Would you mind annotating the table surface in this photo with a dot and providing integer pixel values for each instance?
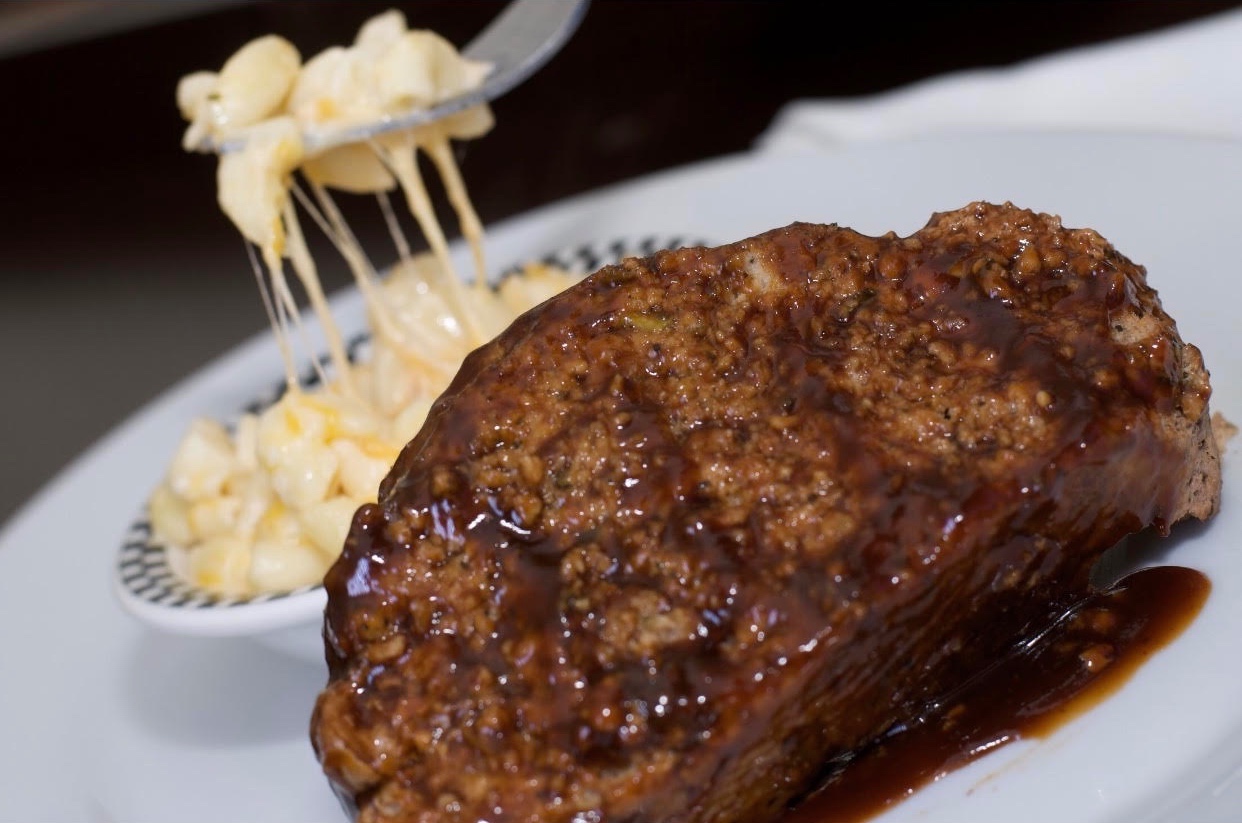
(120, 276)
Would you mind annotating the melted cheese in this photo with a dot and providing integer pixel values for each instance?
(266, 100)
(265, 507)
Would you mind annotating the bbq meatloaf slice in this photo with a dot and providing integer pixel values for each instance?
(715, 518)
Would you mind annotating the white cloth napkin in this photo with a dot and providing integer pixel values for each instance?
(1183, 80)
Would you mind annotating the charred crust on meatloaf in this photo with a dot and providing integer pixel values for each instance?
(713, 517)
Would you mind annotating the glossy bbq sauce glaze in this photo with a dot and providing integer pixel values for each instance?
(683, 533)
(1075, 664)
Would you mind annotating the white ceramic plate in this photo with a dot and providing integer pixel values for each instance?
(103, 719)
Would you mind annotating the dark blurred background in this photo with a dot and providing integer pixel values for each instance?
(119, 276)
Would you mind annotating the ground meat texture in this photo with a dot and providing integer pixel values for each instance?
(715, 518)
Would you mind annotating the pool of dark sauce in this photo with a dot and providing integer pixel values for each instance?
(1080, 660)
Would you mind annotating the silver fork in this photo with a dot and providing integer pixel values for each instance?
(517, 43)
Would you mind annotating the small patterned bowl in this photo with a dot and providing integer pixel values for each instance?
(147, 575)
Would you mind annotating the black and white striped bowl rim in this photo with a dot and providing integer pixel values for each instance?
(149, 587)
